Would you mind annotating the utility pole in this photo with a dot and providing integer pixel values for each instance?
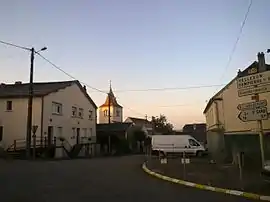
(262, 67)
(30, 101)
(109, 121)
(30, 105)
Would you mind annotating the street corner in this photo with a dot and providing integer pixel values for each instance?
(160, 174)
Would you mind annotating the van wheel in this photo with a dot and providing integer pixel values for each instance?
(199, 153)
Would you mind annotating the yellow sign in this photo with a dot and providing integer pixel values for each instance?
(253, 70)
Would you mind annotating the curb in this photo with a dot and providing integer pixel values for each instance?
(206, 187)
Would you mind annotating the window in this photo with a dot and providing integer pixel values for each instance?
(73, 133)
(117, 113)
(59, 131)
(9, 106)
(193, 143)
(57, 108)
(90, 114)
(80, 114)
(105, 112)
(84, 132)
(74, 111)
(90, 132)
(1, 132)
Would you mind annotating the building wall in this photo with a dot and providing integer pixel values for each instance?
(14, 122)
(226, 130)
(114, 118)
(227, 112)
(70, 97)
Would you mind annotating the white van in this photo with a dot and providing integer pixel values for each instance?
(177, 144)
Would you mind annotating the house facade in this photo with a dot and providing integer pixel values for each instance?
(143, 124)
(226, 133)
(197, 130)
(116, 110)
(60, 110)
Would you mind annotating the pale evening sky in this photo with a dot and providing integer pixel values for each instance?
(137, 44)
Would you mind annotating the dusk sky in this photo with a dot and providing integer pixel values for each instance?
(139, 44)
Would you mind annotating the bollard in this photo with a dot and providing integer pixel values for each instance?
(184, 165)
(34, 146)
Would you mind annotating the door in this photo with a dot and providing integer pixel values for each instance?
(50, 135)
(1, 134)
(78, 136)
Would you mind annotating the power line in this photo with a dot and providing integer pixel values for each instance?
(167, 89)
(180, 105)
(237, 39)
(15, 45)
(69, 75)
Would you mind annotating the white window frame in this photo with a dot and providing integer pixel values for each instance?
(11, 105)
(80, 113)
(117, 113)
(74, 111)
(90, 114)
(55, 106)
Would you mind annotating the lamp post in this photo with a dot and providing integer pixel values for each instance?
(30, 101)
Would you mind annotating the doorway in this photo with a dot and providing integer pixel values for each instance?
(78, 136)
(1, 133)
(50, 135)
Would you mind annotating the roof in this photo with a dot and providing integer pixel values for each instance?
(198, 126)
(139, 121)
(40, 89)
(115, 127)
(113, 101)
(255, 64)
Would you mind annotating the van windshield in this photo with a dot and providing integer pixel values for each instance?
(193, 143)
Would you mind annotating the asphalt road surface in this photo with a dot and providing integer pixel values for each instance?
(104, 179)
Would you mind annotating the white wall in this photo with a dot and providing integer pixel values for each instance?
(68, 97)
(15, 121)
(228, 113)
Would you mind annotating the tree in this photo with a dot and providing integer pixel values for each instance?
(161, 125)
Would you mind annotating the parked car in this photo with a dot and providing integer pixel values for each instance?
(166, 144)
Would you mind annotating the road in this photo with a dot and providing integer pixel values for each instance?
(104, 179)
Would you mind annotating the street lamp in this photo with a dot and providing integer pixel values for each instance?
(30, 101)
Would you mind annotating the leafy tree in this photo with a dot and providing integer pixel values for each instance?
(161, 125)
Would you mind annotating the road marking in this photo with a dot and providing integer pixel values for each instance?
(205, 187)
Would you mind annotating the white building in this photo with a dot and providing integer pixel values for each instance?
(60, 109)
(116, 110)
(143, 124)
(226, 132)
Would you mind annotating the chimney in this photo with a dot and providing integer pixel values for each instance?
(84, 87)
(261, 60)
(18, 82)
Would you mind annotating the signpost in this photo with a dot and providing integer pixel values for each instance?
(254, 79)
(252, 105)
(34, 130)
(254, 82)
(253, 114)
(254, 90)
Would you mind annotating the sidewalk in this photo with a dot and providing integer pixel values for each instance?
(201, 171)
